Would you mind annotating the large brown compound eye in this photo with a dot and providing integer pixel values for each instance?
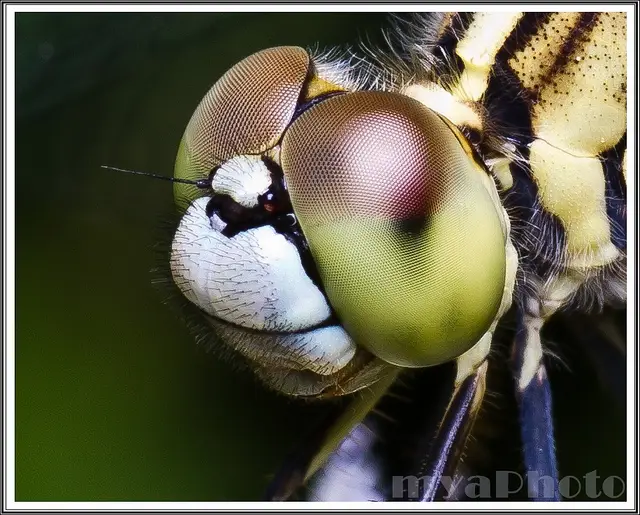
(406, 237)
(245, 112)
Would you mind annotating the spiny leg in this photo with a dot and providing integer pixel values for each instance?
(453, 432)
(453, 424)
(533, 393)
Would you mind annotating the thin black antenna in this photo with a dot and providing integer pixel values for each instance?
(204, 184)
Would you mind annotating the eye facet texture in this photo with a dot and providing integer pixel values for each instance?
(407, 240)
(245, 112)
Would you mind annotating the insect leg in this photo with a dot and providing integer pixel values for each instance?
(453, 431)
(533, 393)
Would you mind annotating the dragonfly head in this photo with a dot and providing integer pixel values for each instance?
(360, 214)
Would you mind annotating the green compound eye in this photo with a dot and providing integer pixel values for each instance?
(407, 239)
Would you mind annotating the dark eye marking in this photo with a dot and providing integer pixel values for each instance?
(413, 227)
(237, 217)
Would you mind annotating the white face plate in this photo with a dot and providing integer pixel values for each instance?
(253, 284)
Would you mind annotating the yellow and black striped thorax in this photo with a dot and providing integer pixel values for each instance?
(543, 98)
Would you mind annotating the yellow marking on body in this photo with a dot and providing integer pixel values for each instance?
(318, 86)
(624, 165)
(533, 62)
(573, 189)
(274, 154)
(502, 171)
(582, 108)
(490, 185)
(478, 49)
(442, 102)
(579, 113)
(532, 358)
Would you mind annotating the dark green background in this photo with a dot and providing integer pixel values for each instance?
(114, 399)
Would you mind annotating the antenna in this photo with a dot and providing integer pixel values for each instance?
(203, 184)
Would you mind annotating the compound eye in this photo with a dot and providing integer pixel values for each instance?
(406, 236)
(245, 112)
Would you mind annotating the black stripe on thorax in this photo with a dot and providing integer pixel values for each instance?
(527, 28)
(574, 42)
(507, 107)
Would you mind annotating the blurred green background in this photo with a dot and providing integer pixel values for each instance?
(114, 400)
